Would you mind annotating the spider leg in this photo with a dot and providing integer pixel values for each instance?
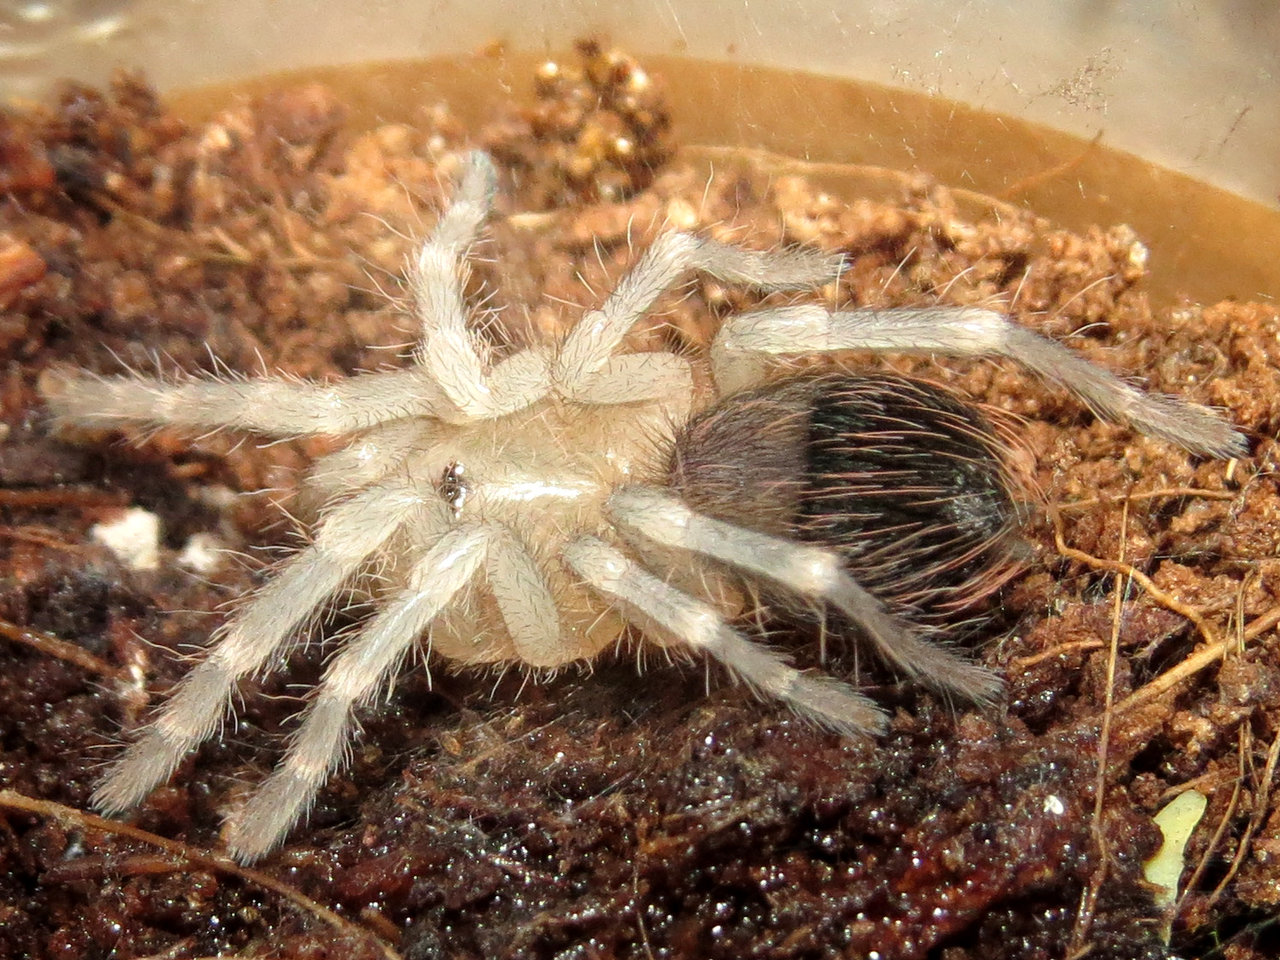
(342, 544)
(271, 406)
(635, 377)
(824, 700)
(591, 343)
(527, 607)
(355, 675)
(743, 343)
(808, 571)
(449, 352)
(437, 276)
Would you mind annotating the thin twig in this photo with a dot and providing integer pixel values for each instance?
(80, 820)
(1217, 651)
(1197, 492)
(1162, 597)
(1109, 695)
(1080, 934)
(60, 649)
(62, 497)
(1260, 801)
(1057, 171)
(42, 537)
(639, 908)
(1216, 647)
(1061, 649)
(1211, 849)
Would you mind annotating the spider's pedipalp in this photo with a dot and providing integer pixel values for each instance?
(597, 335)
(822, 700)
(346, 538)
(811, 572)
(743, 342)
(276, 407)
(369, 459)
(354, 676)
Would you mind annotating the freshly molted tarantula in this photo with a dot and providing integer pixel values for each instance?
(524, 508)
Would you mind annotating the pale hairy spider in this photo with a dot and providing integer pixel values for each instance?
(524, 508)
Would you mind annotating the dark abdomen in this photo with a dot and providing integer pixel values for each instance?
(902, 477)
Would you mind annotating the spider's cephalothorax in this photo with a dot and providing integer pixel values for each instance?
(523, 508)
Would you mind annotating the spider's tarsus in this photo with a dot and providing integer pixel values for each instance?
(289, 793)
(260, 825)
(472, 200)
(145, 764)
(898, 643)
(824, 701)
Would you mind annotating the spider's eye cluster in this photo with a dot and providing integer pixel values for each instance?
(454, 487)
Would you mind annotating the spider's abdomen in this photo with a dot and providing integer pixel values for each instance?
(904, 479)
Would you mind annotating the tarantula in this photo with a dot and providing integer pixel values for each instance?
(525, 508)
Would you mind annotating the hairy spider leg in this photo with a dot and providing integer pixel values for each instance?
(448, 383)
(448, 350)
(455, 360)
(823, 700)
(345, 539)
(364, 666)
(588, 349)
(962, 331)
(812, 572)
(636, 378)
(278, 407)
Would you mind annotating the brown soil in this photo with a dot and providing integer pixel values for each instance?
(617, 814)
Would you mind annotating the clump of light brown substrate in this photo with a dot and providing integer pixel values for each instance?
(605, 816)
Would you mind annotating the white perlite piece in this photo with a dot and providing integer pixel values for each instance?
(134, 537)
(202, 553)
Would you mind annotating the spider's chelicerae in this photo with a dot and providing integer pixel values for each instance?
(524, 508)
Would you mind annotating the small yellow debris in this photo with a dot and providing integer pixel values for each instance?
(1176, 820)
